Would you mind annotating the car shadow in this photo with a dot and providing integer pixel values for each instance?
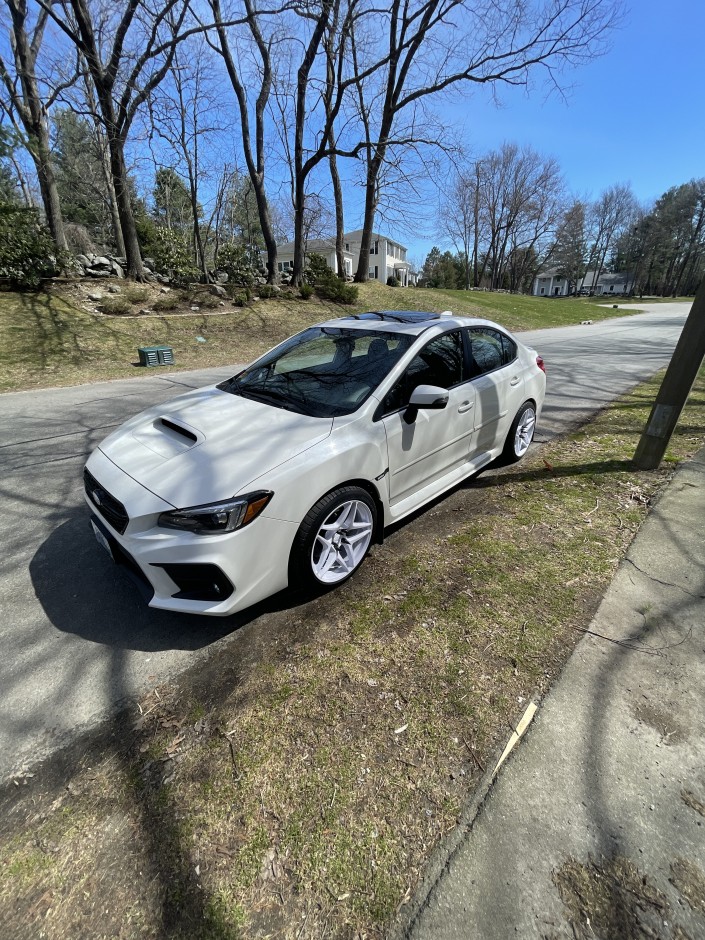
(83, 592)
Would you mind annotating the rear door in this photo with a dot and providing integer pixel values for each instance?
(498, 381)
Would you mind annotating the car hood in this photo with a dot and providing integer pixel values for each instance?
(208, 445)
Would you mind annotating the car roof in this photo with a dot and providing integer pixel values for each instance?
(410, 322)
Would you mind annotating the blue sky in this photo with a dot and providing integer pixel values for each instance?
(634, 115)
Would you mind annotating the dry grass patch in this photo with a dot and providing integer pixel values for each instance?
(611, 898)
(302, 799)
(61, 337)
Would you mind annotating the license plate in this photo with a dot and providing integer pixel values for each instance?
(101, 539)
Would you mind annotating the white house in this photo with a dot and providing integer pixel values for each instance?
(549, 283)
(387, 257)
(318, 246)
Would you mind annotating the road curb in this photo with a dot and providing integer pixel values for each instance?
(442, 857)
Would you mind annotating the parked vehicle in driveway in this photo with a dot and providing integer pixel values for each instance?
(286, 473)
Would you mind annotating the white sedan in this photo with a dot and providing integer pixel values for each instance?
(286, 473)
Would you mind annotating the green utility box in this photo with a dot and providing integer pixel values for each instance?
(156, 355)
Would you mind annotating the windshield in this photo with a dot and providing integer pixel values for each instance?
(324, 371)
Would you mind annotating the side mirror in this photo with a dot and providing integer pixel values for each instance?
(425, 396)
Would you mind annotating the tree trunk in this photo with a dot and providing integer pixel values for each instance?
(299, 248)
(31, 111)
(371, 198)
(265, 221)
(50, 194)
(255, 169)
(476, 234)
(115, 218)
(133, 255)
(112, 198)
(339, 216)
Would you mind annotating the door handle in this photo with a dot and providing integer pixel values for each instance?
(515, 380)
(465, 406)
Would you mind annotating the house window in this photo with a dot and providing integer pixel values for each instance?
(376, 273)
(374, 249)
(543, 290)
(347, 246)
(280, 266)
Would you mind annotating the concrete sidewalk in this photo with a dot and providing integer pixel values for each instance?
(595, 827)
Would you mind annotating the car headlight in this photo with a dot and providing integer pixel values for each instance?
(213, 518)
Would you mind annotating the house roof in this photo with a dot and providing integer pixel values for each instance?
(606, 278)
(313, 245)
(548, 272)
(357, 235)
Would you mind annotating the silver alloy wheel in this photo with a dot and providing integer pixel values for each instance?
(342, 541)
(524, 434)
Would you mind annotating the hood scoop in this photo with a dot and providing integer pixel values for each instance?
(167, 437)
(178, 429)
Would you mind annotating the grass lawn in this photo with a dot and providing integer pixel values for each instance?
(296, 786)
(59, 338)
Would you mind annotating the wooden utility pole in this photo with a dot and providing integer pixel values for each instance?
(675, 388)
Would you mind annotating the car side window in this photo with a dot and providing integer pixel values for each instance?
(441, 362)
(489, 350)
(510, 349)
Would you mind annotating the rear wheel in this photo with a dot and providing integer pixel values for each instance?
(521, 433)
(334, 538)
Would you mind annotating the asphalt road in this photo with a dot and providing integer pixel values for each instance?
(76, 638)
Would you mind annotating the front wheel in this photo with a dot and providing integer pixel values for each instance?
(521, 433)
(333, 538)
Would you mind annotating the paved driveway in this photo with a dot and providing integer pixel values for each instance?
(75, 636)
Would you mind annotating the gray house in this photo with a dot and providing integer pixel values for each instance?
(549, 283)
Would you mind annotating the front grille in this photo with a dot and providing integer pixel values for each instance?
(111, 509)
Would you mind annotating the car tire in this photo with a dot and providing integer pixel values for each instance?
(521, 434)
(333, 539)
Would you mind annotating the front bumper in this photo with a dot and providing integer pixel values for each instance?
(180, 571)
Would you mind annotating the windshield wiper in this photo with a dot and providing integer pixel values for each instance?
(272, 396)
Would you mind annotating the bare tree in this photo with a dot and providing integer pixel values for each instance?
(512, 199)
(332, 55)
(610, 215)
(27, 104)
(128, 51)
(569, 252)
(434, 45)
(184, 114)
(459, 217)
(92, 106)
(253, 141)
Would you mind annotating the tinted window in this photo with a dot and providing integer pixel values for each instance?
(510, 349)
(439, 363)
(489, 350)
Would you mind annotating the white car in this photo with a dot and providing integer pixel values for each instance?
(286, 473)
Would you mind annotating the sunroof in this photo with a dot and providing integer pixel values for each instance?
(397, 316)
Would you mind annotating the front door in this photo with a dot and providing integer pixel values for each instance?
(436, 441)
